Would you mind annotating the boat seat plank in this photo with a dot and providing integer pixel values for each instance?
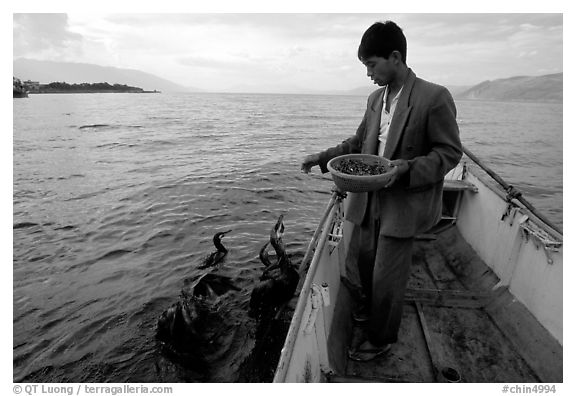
(448, 298)
(435, 353)
(429, 270)
(459, 185)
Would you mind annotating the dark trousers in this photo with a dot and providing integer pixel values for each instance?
(383, 267)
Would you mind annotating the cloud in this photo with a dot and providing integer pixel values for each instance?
(44, 35)
(277, 24)
(223, 62)
(311, 50)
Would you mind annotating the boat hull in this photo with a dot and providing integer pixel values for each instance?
(522, 262)
(489, 275)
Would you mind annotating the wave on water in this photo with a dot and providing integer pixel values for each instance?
(109, 126)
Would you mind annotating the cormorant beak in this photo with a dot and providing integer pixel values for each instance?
(225, 232)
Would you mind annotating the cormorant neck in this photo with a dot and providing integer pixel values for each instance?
(281, 255)
(264, 256)
(219, 246)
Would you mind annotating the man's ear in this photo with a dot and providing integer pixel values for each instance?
(396, 56)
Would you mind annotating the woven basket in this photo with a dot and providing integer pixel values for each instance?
(356, 183)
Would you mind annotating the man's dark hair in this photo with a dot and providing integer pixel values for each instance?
(381, 39)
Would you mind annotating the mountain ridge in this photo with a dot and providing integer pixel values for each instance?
(545, 88)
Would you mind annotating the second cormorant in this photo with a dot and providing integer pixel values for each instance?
(216, 257)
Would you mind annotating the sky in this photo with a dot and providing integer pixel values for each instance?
(268, 52)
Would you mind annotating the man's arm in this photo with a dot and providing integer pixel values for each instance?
(351, 145)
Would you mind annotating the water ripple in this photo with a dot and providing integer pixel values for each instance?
(116, 204)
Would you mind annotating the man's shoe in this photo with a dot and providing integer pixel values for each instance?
(368, 354)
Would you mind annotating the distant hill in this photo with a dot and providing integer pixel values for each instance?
(547, 88)
(456, 90)
(46, 72)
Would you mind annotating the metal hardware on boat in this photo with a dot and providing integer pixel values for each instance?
(509, 213)
(325, 294)
(340, 195)
(335, 235)
(532, 232)
(512, 193)
(319, 296)
(524, 232)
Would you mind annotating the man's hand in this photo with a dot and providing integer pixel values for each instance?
(310, 161)
(399, 167)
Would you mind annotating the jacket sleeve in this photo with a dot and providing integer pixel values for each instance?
(444, 139)
(351, 145)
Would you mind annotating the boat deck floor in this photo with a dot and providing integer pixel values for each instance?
(457, 327)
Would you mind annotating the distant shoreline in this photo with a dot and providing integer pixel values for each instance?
(34, 87)
(88, 91)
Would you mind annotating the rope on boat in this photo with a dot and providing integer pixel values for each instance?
(540, 238)
(512, 192)
(336, 196)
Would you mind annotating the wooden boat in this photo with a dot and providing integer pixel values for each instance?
(484, 301)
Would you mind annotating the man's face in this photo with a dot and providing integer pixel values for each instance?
(380, 70)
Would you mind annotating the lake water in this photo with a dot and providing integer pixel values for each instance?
(116, 198)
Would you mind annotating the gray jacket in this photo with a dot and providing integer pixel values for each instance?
(424, 132)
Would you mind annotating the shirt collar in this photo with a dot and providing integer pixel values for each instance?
(395, 99)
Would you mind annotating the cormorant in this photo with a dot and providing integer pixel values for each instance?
(278, 281)
(187, 328)
(217, 256)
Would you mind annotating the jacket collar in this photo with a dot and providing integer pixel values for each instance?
(404, 95)
(398, 121)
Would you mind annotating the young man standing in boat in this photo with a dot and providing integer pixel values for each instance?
(413, 123)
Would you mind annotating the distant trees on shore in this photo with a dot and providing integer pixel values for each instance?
(87, 87)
